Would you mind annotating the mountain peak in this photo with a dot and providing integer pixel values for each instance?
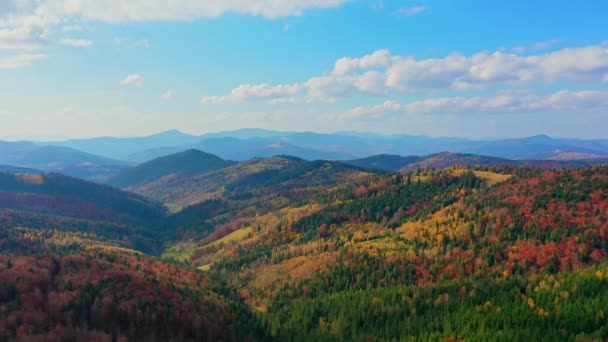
(171, 133)
(191, 161)
(540, 137)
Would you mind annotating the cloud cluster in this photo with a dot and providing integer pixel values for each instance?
(111, 11)
(506, 102)
(382, 73)
(27, 24)
(248, 93)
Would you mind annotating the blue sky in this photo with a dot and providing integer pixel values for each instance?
(478, 69)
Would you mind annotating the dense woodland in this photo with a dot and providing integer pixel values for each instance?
(285, 249)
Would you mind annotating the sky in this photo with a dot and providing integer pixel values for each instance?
(475, 69)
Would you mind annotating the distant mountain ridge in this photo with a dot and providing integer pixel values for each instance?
(244, 144)
(98, 159)
(63, 160)
(447, 159)
(122, 148)
(183, 163)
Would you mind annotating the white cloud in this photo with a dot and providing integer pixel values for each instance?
(19, 61)
(168, 95)
(248, 93)
(133, 80)
(378, 59)
(21, 38)
(382, 73)
(27, 24)
(143, 43)
(506, 102)
(72, 28)
(411, 10)
(76, 42)
(112, 11)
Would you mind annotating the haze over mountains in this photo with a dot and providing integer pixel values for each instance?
(101, 158)
(248, 143)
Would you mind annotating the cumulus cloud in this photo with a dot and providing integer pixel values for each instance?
(19, 61)
(27, 24)
(382, 73)
(76, 42)
(133, 80)
(111, 11)
(506, 102)
(22, 38)
(248, 93)
(168, 95)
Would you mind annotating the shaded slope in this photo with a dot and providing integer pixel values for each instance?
(385, 162)
(66, 196)
(447, 159)
(184, 163)
(287, 177)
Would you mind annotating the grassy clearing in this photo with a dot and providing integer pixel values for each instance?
(181, 251)
(235, 236)
(492, 177)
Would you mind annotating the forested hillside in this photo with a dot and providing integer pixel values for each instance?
(105, 296)
(447, 159)
(60, 203)
(284, 178)
(286, 249)
(58, 194)
(423, 249)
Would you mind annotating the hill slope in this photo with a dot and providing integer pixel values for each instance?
(419, 250)
(105, 296)
(254, 179)
(185, 163)
(384, 162)
(319, 250)
(447, 159)
(58, 194)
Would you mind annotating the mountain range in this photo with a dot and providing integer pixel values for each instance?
(100, 159)
(248, 143)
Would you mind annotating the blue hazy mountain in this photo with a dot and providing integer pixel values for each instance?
(244, 144)
(122, 148)
(58, 159)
